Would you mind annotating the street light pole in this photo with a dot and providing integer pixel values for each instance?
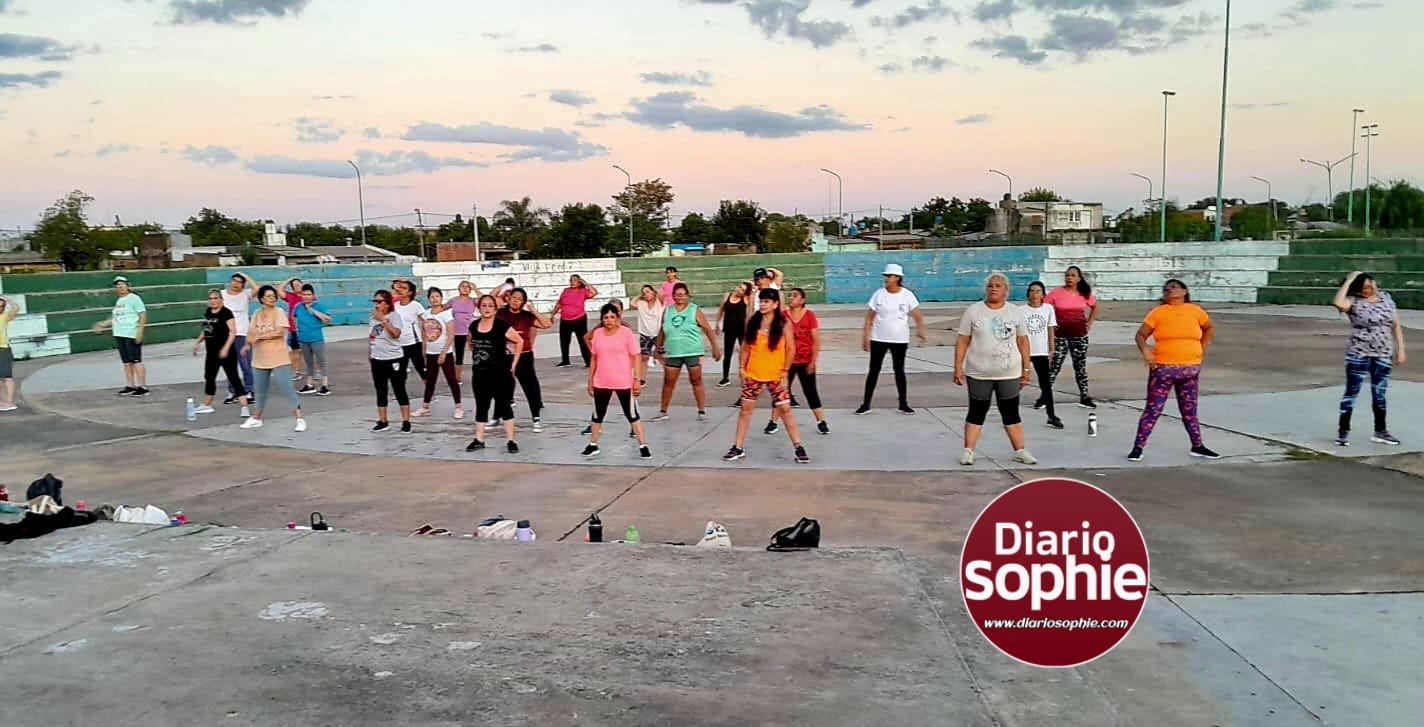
(361, 200)
(1147, 179)
(1270, 200)
(1329, 168)
(1005, 176)
(1221, 139)
(1371, 131)
(1350, 206)
(629, 191)
(840, 201)
(1165, 95)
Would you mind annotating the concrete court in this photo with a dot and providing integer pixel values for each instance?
(1288, 580)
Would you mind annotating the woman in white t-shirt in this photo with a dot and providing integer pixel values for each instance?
(991, 355)
(1042, 323)
(410, 311)
(887, 330)
(650, 322)
(437, 332)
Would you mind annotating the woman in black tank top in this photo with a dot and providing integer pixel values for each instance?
(732, 320)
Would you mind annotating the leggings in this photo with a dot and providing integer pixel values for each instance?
(314, 355)
(1356, 369)
(1005, 391)
(229, 368)
(433, 367)
(730, 340)
(1042, 367)
(528, 381)
(601, 397)
(1160, 382)
(262, 382)
(414, 354)
(244, 363)
(574, 328)
(1077, 347)
(808, 384)
(390, 374)
(493, 386)
(461, 343)
(897, 359)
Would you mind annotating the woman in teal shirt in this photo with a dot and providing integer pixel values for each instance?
(680, 344)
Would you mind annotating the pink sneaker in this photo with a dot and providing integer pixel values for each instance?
(459, 413)
(423, 411)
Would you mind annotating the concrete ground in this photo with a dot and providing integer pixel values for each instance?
(1288, 577)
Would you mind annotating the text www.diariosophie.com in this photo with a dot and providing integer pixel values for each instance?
(1055, 623)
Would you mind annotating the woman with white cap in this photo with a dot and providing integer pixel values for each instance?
(887, 330)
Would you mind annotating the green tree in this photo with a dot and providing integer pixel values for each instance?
(648, 201)
(742, 221)
(311, 233)
(696, 229)
(212, 228)
(1039, 194)
(1316, 212)
(787, 235)
(1254, 223)
(976, 215)
(399, 240)
(521, 224)
(1400, 206)
(578, 231)
(63, 233)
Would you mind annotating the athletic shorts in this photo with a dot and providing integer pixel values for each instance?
(130, 351)
(646, 344)
(7, 363)
(752, 389)
(677, 362)
(292, 342)
(1000, 389)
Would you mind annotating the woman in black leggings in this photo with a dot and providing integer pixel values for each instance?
(807, 330)
(388, 366)
(523, 318)
(734, 311)
(492, 372)
(437, 333)
(887, 330)
(219, 333)
(573, 319)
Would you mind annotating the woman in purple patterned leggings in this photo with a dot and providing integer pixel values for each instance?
(1182, 331)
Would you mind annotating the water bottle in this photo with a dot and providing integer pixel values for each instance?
(523, 533)
(631, 535)
(595, 529)
(1092, 424)
(192, 410)
(180, 518)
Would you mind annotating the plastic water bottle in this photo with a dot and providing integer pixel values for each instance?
(595, 529)
(522, 532)
(631, 535)
(1092, 424)
(180, 518)
(192, 410)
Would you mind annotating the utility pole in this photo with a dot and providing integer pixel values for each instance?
(628, 191)
(420, 232)
(361, 200)
(840, 202)
(1165, 95)
(1371, 131)
(1221, 140)
(1271, 200)
(475, 223)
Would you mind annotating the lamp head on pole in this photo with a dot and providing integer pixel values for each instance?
(1169, 93)
(1358, 111)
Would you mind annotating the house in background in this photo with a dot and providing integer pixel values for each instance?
(1059, 221)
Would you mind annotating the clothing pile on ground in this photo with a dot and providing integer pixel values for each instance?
(45, 513)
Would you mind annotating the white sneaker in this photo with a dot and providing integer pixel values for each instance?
(12, 407)
(423, 411)
(1023, 456)
(204, 409)
(301, 426)
(538, 426)
(251, 423)
(967, 458)
(246, 413)
(459, 413)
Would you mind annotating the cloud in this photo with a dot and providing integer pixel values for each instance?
(496, 36)
(679, 108)
(232, 12)
(972, 119)
(541, 48)
(1015, 47)
(697, 78)
(929, 12)
(889, 68)
(209, 155)
(1081, 35)
(62, 154)
(316, 131)
(373, 164)
(108, 149)
(991, 10)
(13, 45)
(783, 17)
(343, 97)
(1266, 105)
(932, 64)
(547, 144)
(860, 3)
(570, 98)
(371, 132)
(36, 80)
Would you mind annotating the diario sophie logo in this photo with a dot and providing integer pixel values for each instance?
(1054, 572)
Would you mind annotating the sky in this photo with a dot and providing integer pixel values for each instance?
(158, 108)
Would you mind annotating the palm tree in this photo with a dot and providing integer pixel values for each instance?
(521, 222)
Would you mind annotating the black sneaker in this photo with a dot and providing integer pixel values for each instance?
(405, 427)
(801, 456)
(905, 409)
(1384, 438)
(644, 452)
(474, 445)
(127, 390)
(308, 389)
(591, 450)
(823, 427)
(1203, 452)
(724, 383)
(1039, 404)
(795, 404)
(140, 391)
(1087, 403)
(323, 391)
(1135, 455)
(864, 409)
(562, 365)
(735, 453)
(233, 399)
(632, 434)
(771, 427)
(512, 446)
(381, 426)
(587, 430)
(737, 404)
(1343, 440)
(1056, 423)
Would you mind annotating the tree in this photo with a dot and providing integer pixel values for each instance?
(1254, 223)
(1397, 207)
(976, 214)
(1039, 194)
(648, 202)
(211, 228)
(1315, 212)
(788, 235)
(695, 229)
(1180, 227)
(578, 231)
(521, 224)
(63, 233)
(311, 233)
(741, 221)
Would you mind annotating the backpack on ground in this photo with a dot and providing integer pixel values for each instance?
(804, 535)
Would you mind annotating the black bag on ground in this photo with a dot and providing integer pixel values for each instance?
(47, 485)
(804, 535)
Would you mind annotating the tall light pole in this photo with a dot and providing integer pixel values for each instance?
(361, 200)
(1147, 179)
(1350, 205)
(1371, 131)
(1221, 140)
(1005, 176)
(629, 191)
(840, 201)
(1165, 95)
(1329, 168)
(1270, 200)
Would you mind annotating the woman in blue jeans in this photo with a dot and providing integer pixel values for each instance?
(1376, 340)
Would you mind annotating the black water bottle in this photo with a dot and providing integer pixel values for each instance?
(595, 529)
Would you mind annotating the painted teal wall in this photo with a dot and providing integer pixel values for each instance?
(934, 275)
(344, 290)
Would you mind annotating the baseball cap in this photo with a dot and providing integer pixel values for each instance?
(119, 279)
(761, 273)
(894, 269)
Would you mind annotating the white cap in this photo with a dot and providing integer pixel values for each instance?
(894, 269)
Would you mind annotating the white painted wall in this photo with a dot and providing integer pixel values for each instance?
(1215, 272)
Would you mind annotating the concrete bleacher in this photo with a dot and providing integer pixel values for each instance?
(543, 280)
(1314, 270)
(709, 277)
(1216, 272)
